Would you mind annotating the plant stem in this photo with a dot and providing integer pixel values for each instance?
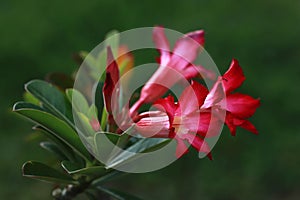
(71, 191)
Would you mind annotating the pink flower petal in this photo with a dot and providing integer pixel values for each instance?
(186, 49)
(232, 122)
(198, 36)
(241, 105)
(162, 45)
(249, 127)
(167, 105)
(234, 77)
(190, 72)
(160, 82)
(216, 96)
(198, 143)
(181, 147)
(192, 98)
(203, 123)
(197, 122)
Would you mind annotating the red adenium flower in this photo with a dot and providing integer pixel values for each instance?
(195, 115)
(191, 119)
(173, 66)
(180, 121)
(111, 84)
(238, 106)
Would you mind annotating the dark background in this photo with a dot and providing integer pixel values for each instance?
(37, 37)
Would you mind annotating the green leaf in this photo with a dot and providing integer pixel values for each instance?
(147, 144)
(113, 137)
(78, 101)
(43, 172)
(54, 125)
(63, 147)
(124, 137)
(107, 151)
(26, 105)
(53, 148)
(121, 141)
(118, 194)
(142, 146)
(92, 112)
(31, 99)
(70, 166)
(73, 169)
(102, 146)
(86, 126)
(51, 98)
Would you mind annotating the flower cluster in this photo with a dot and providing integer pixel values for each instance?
(197, 114)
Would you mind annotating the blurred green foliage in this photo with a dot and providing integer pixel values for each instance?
(38, 37)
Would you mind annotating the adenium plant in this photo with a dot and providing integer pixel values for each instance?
(189, 119)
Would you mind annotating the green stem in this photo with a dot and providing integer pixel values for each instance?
(71, 191)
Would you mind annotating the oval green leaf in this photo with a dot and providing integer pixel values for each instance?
(43, 172)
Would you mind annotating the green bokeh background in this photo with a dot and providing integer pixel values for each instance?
(38, 37)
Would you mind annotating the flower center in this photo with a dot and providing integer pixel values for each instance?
(178, 126)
